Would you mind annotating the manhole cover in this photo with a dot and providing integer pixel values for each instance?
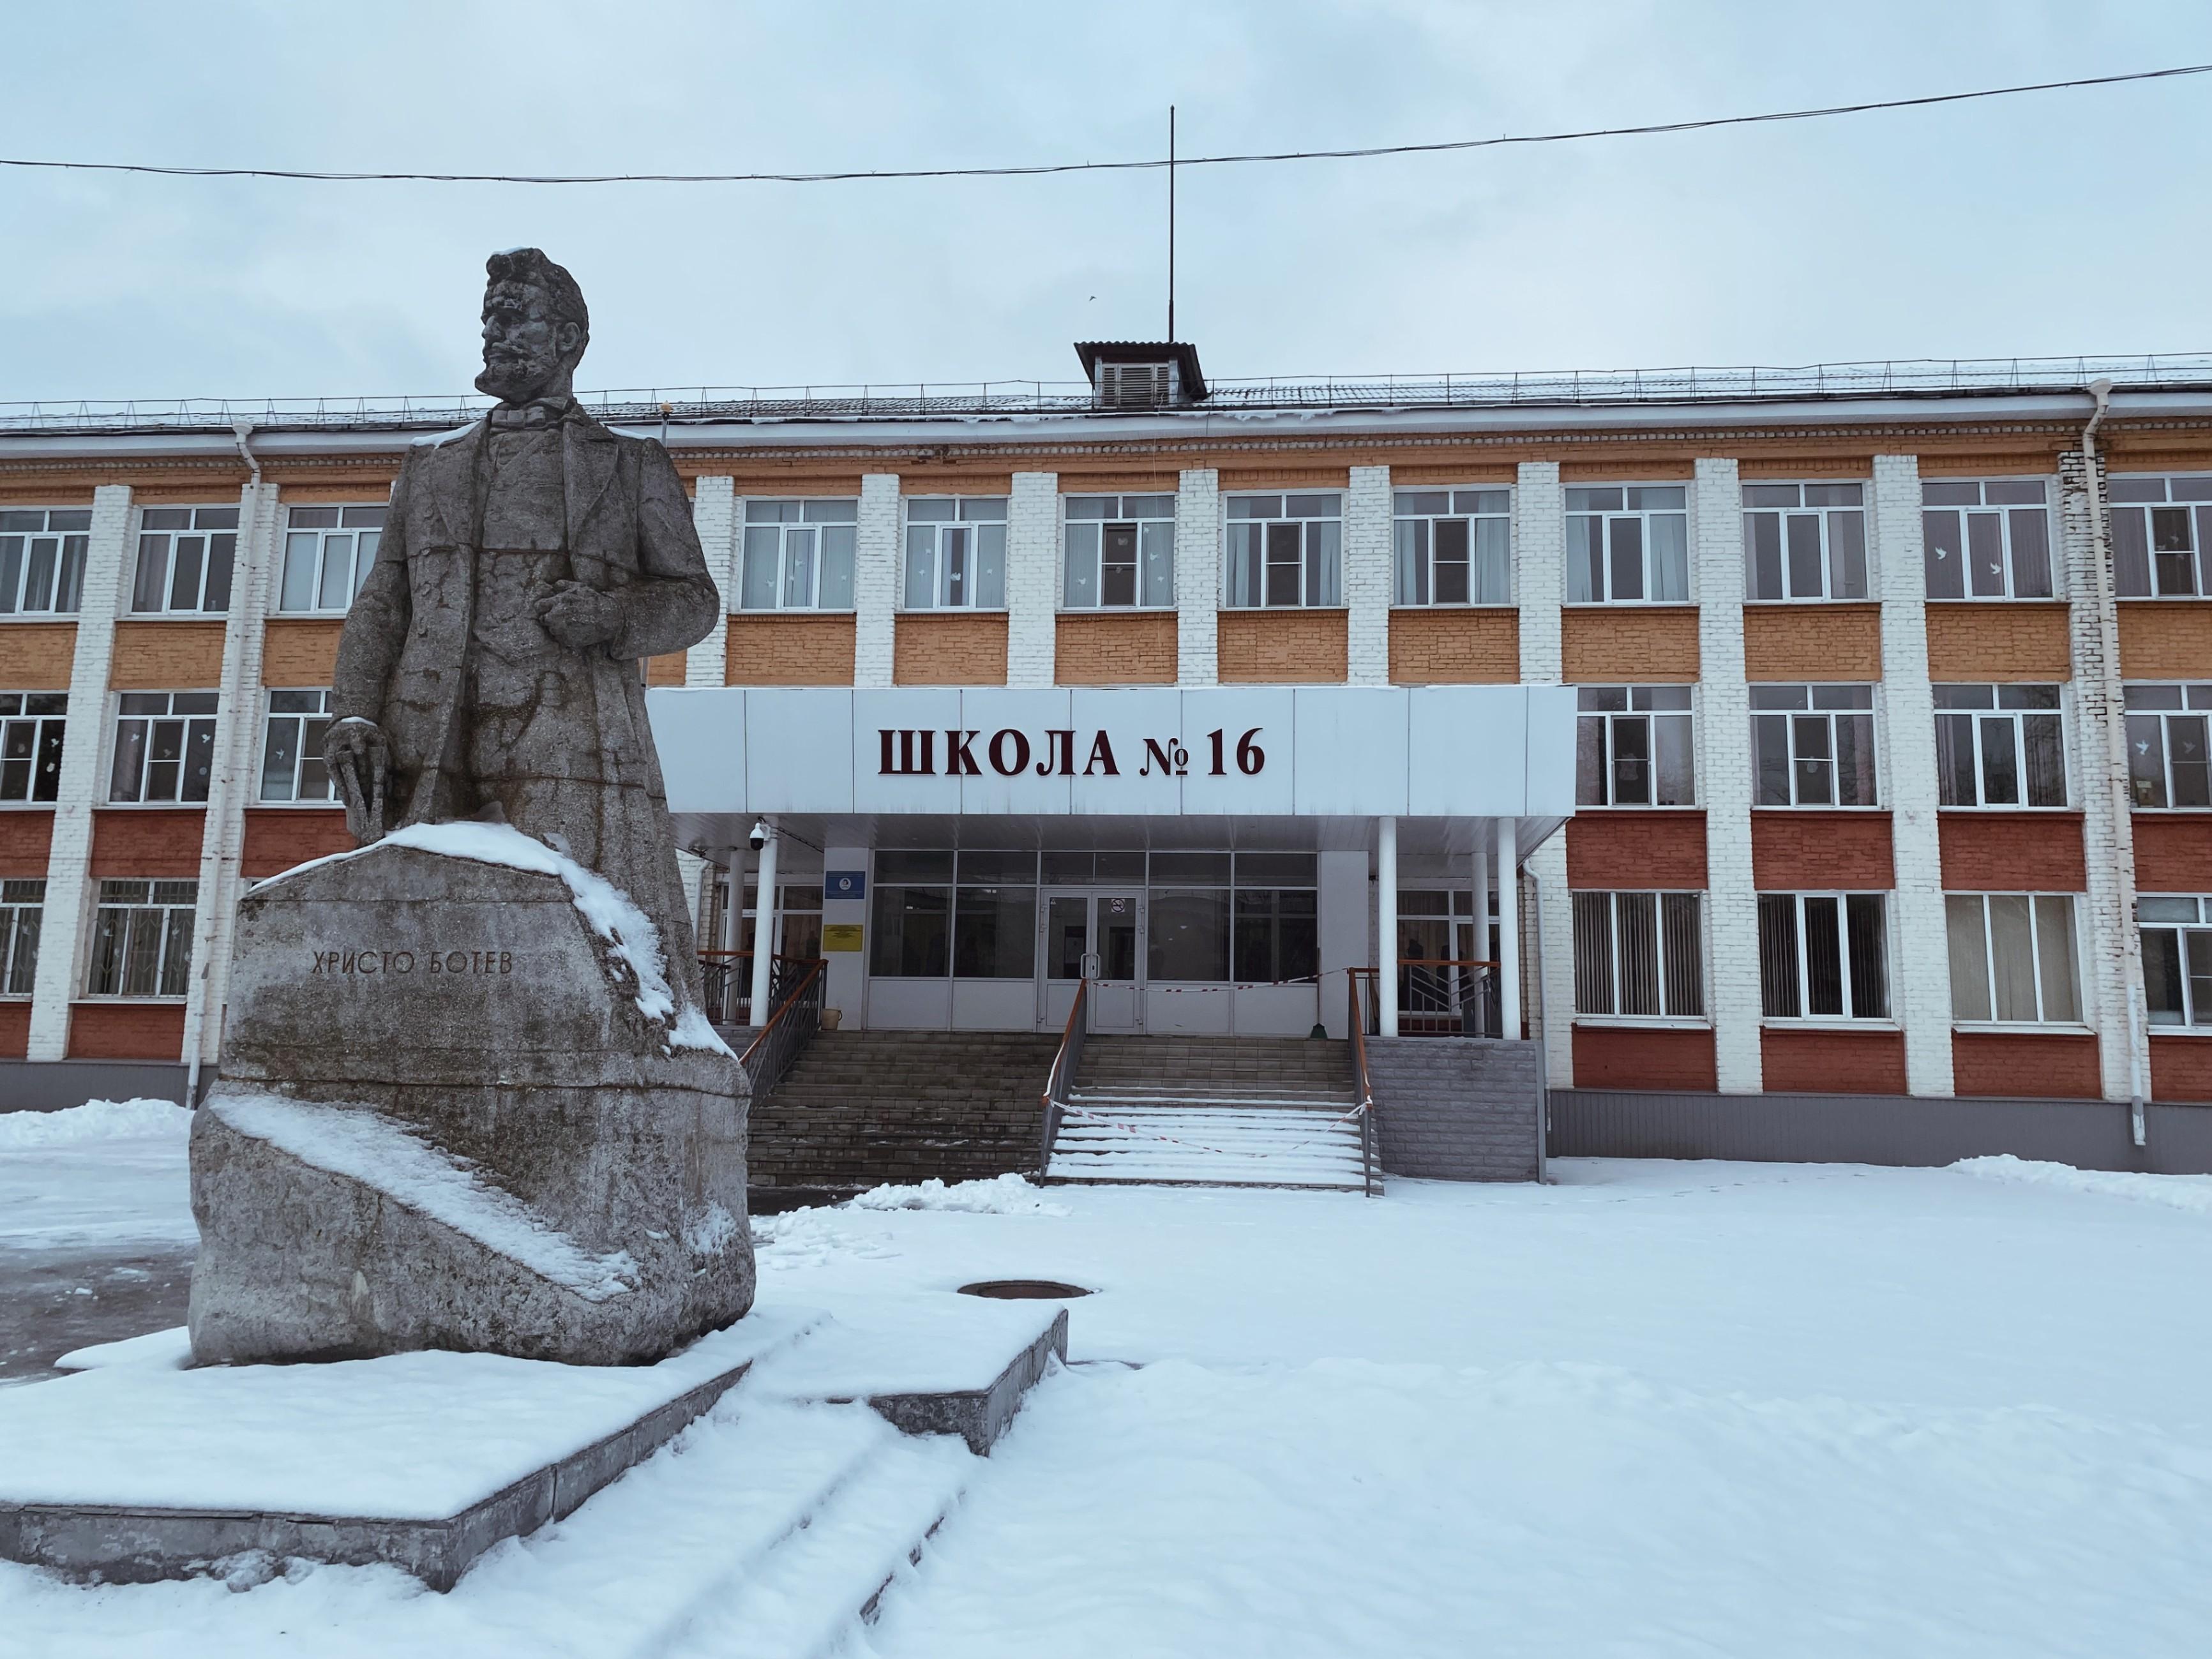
(1024, 1290)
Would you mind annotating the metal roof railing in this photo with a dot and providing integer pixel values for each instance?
(990, 399)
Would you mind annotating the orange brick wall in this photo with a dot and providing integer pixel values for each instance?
(664, 670)
(1633, 849)
(950, 649)
(300, 653)
(2165, 639)
(793, 648)
(1797, 851)
(36, 656)
(2180, 1067)
(1833, 1062)
(26, 837)
(1280, 646)
(147, 841)
(2033, 1066)
(1791, 642)
(1625, 1057)
(1630, 644)
(1115, 647)
(2012, 852)
(2174, 852)
(14, 1027)
(126, 1030)
(1973, 640)
(278, 837)
(166, 656)
(1446, 645)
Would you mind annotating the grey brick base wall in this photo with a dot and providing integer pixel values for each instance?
(49, 1085)
(1458, 1109)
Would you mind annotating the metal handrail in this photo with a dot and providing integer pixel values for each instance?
(1062, 1079)
(1433, 982)
(728, 992)
(768, 1058)
(1362, 1084)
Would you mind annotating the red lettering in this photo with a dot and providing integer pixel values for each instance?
(1101, 754)
(959, 763)
(1061, 744)
(999, 763)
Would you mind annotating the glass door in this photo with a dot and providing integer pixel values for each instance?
(1099, 936)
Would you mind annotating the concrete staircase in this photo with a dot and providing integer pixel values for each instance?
(1214, 1111)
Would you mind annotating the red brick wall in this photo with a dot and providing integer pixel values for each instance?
(2180, 1067)
(26, 835)
(15, 1029)
(278, 837)
(1623, 1057)
(2012, 852)
(1833, 1062)
(1795, 851)
(126, 1030)
(2055, 1065)
(2174, 852)
(1630, 848)
(147, 841)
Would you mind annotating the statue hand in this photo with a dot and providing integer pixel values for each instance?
(579, 616)
(359, 757)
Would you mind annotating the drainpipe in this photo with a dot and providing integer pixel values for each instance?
(243, 429)
(2115, 753)
(764, 927)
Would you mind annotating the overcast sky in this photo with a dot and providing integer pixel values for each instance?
(2048, 223)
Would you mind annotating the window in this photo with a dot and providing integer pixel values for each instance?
(1627, 543)
(2176, 956)
(2167, 753)
(1450, 546)
(164, 746)
(1820, 752)
(798, 556)
(22, 906)
(1283, 550)
(328, 553)
(1632, 746)
(1804, 541)
(1986, 541)
(141, 938)
(184, 557)
(1823, 956)
(1188, 936)
(956, 553)
(2013, 958)
(1639, 956)
(1275, 926)
(1999, 745)
(42, 559)
(292, 747)
(911, 937)
(1120, 551)
(31, 728)
(2159, 549)
(995, 921)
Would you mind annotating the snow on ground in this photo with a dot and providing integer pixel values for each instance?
(1655, 1408)
(107, 1172)
(2181, 1192)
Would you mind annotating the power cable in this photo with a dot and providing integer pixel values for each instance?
(1100, 167)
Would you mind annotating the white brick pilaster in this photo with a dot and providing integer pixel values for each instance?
(714, 515)
(1920, 994)
(62, 929)
(1724, 775)
(1539, 570)
(1198, 577)
(1032, 577)
(1553, 996)
(1367, 575)
(2111, 949)
(875, 579)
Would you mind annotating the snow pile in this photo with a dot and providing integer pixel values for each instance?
(97, 1120)
(812, 1237)
(379, 1152)
(169, 1351)
(1005, 1194)
(2177, 1192)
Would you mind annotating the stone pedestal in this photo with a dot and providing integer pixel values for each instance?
(461, 1108)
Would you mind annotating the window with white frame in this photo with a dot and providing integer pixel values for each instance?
(2177, 958)
(1449, 546)
(1633, 746)
(292, 766)
(328, 554)
(1986, 540)
(164, 746)
(1284, 550)
(798, 555)
(1639, 956)
(2162, 537)
(1628, 543)
(1120, 552)
(141, 938)
(2169, 759)
(1812, 745)
(1804, 541)
(1999, 746)
(32, 727)
(1824, 956)
(2014, 958)
(42, 559)
(185, 559)
(22, 909)
(956, 553)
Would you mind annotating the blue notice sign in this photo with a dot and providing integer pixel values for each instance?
(844, 884)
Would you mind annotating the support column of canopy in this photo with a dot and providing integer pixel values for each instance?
(1386, 928)
(763, 926)
(1509, 931)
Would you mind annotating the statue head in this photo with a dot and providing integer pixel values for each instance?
(535, 327)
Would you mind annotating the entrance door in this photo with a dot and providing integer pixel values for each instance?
(1100, 936)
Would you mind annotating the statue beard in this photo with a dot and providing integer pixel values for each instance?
(515, 379)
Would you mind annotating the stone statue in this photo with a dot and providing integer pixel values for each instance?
(491, 667)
